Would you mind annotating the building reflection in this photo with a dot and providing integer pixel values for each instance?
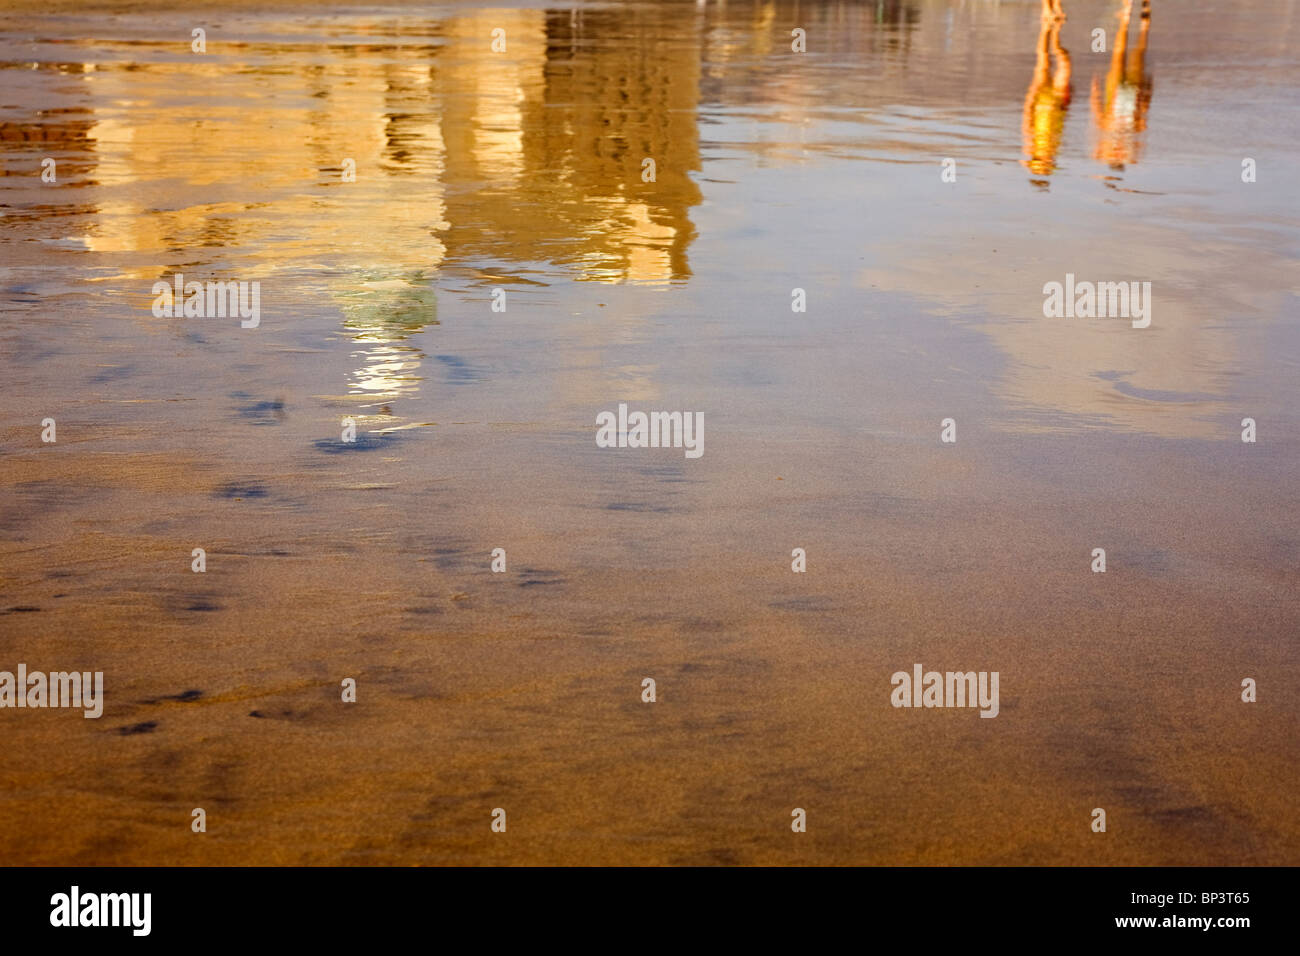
(546, 142)
(466, 160)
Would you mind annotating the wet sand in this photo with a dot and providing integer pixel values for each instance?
(522, 690)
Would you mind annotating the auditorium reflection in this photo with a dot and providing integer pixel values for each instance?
(524, 161)
(530, 160)
(547, 151)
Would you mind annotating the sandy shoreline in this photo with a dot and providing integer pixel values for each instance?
(522, 690)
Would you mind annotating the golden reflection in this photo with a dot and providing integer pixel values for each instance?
(545, 153)
(1120, 112)
(465, 160)
(1049, 94)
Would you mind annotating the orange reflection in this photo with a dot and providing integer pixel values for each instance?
(1121, 114)
(1049, 94)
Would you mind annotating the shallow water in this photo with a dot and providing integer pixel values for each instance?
(522, 171)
